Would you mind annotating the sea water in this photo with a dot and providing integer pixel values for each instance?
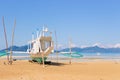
(20, 56)
(25, 56)
(102, 55)
(2, 54)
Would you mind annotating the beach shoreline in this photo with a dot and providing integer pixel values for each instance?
(65, 59)
(24, 70)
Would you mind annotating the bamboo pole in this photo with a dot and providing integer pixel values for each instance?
(51, 44)
(56, 46)
(43, 59)
(70, 61)
(12, 41)
(5, 39)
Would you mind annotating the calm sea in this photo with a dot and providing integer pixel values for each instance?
(78, 55)
(102, 55)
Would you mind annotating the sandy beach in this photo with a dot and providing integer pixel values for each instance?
(24, 70)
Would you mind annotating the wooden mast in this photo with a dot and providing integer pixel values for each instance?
(12, 41)
(5, 39)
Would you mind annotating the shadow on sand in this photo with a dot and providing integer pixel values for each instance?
(54, 63)
(49, 63)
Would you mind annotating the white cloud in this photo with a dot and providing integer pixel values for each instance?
(98, 44)
(112, 45)
(103, 45)
(117, 45)
(84, 46)
(73, 45)
(61, 46)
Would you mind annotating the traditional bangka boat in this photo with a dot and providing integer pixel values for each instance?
(42, 46)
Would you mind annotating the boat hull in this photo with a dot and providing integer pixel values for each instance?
(39, 59)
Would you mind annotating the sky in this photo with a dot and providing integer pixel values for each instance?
(86, 22)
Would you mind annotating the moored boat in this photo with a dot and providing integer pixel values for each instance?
(42, 46)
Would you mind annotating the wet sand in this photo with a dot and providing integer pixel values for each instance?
(24, 70)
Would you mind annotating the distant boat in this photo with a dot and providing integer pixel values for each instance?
(41, 46)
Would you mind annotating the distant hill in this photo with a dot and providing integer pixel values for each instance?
(93, 49)
(17, 48)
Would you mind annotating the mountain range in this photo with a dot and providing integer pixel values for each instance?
(92, 49)
(17, 48)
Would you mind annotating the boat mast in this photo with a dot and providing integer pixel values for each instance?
(32, 36)
(37, 33)
(30, 43)
(43, 31)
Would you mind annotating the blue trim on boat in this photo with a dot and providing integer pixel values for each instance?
(73, 55)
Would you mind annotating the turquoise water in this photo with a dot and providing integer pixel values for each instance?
(2, 54)
(102, 55)
(91, 55)
(23, 56)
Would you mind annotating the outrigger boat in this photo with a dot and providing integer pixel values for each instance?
(42, 46)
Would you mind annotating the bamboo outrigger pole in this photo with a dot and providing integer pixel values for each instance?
(43, 51)
(12, 41)
(70, 51)
(5, 39)
(43, 59)
(9, 57)
(56, 46)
